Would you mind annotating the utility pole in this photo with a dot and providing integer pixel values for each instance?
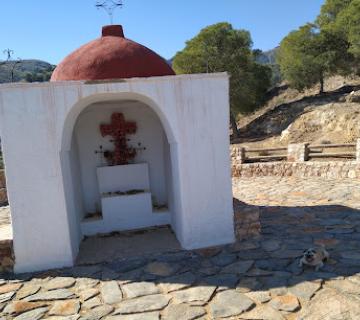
(8, 52)
(12, 63)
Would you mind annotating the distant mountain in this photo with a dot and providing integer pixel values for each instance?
(269, 58)
(25, 71)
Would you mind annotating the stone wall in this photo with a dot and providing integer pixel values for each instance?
(246, 220)
(3, 194)
(330, 169)
(6, 255)
(296, 166)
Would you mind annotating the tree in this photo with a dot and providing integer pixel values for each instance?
(309, 54)
(29, 77)
(330, 11)
(348, 23)
(219, 48)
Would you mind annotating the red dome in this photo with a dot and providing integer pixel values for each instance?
(111, 57)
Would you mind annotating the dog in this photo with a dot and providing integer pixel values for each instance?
(314, 257)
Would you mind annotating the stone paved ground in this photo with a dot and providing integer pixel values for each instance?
(257, 279)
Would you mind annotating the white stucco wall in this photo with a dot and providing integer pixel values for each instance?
(37, 123)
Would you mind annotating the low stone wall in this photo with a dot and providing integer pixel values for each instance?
(6, 256)
(3, 193)
(246, 220)
(330, 169)
(298, 169)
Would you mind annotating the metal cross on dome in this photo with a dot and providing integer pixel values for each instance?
(109, 6)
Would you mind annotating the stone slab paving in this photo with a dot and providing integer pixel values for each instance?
(253, 279)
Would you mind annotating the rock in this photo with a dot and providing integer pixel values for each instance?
(91, 303)
(98, 312)
(247, 285)
(139, 289)
(32, 315)
(285, 303)
(354, 255)
(133, 275)
(17, 307)
(88, 294)
(340, 230)
(222, 281)
(282, 274)
(326, 242)
(126, 265)
(6, 296)
(354, 278)
(331, 222)
(60, 294)
(65, 308)
(277, 286)
(223, 259)
(259, 296)
(285, 254)
(208, 252)
(304, 289)
(182, 312)
(179, 257)
(143, 304)
(353, 97)
(73, 317)
(111, 292)
(252, 254)
(329, 304)
(272, 264)
(238, 267)
(263, 312)
(85, 284)
(161, 269)
(27, 290)
(244, 245)
(345, 286)
(319, 275)
(271, 245)
(10, 287)
(59, 283)
(85, 271)
(208, 271)
(199, 294)
(229, 303)
(109, 274)
(258, 273)
(294, 268)
(193, 265)
(139, 316)
(177, 282)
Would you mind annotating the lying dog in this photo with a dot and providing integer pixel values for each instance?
(314, 257)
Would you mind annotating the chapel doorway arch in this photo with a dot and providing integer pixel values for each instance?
(144, 195)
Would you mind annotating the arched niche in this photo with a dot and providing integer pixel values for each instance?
(80, 160)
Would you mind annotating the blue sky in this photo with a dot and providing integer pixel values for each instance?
(50, 29)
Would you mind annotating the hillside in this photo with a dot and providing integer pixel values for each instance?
(25, 70)
(293, 117)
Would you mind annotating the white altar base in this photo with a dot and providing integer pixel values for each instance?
(121, 212)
